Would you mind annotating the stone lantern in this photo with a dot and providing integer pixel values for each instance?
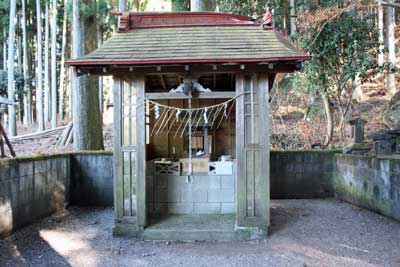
(357, 129)
(357, 145)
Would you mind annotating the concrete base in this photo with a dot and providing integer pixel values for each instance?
(126, 230)
(198, 227)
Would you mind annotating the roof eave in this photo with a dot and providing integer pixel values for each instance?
(83, 62)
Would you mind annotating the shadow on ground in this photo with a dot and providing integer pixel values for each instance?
(28, 248)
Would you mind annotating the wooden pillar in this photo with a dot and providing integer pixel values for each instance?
(139, 84)
(118, 205)
(129, 155)
(252, 151)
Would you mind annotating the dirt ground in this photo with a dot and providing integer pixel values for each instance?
(303, 233)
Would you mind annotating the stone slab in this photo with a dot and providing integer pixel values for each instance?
(207, 208)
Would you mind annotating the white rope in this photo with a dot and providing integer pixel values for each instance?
(188, 121)
(229, 112)
(161, 119)
(213, 110)
(180, 125)
(194, 109)
(199, 120)
(216, 115)
(162, 127)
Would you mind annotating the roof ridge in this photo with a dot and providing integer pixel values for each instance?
(137, 20)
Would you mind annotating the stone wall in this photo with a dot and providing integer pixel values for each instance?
(302, 174)
(370, 182)
(32, 188)
(203, 194)
(35, 187)
(92, 179)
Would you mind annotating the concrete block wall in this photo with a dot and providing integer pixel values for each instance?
(32, 188)
(92, 179)
(302, 173)
(203, 194)
(369, 182)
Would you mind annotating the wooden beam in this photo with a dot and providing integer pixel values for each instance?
(163, 83)
(263, 190)
(208, 95)
(118, 177)
(140, 192)
(240, 153)
(38, 134)
(282, 67)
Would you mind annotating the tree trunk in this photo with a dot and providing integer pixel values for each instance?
(4, 51)
(27, 93)
(180, 5)
(329, 119)
(358, 92)
(137, 5)
(39, 86)
(88, 134)
(19, 48)
(46, 65)
(31, 70)
(122, 7)
(293, 27)
(202, 5)
(381, 54)
(101, 100)
(20, 113)
(62, 67)
(69, 92)
(390, 22)
(284, 28)
(54, 65)
(12, 129)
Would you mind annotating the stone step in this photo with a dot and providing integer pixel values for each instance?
(188, 235)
